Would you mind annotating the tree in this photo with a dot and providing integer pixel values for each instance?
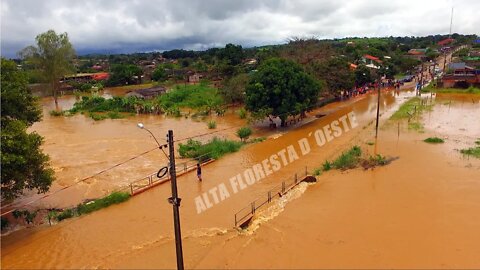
(232, 53)
(53, 55)
(282, 88)
(24, 166)
(363, 75)
(159, 74)
(243, 133)
(122, 74)
(234, 89)
(335, 72)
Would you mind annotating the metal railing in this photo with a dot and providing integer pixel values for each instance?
(152, 180)
(248, 211)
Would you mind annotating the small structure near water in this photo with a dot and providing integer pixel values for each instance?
(147, 93)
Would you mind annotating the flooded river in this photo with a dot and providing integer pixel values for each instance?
(139, 233)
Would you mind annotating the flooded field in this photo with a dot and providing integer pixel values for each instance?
(422, 207)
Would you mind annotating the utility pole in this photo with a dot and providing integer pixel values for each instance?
(421, 81)
(175, 201)
(378, 110)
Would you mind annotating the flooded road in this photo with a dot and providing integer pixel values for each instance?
(139, 233)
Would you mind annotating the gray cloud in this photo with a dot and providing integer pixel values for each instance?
(141, 25)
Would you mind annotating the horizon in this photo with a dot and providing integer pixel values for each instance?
(96, 27)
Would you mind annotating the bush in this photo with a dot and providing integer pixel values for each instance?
(68, 213)
(327, 165)
(114, 198)
(56, 113)
(378, 160)
(97, 117)
(472, 151)
(243, 133)
(114, 115)
(213, 149)
(212, 124)
(242, 113)
(348, 159)
(317, 172)
(433, 140)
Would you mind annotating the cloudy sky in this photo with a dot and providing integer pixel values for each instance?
(113, 26)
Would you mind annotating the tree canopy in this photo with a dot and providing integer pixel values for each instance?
(281, 88)
(52, 55)
(24, 166)
(122, 74)
(336, 74)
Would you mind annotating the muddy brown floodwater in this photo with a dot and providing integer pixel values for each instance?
(420, 211)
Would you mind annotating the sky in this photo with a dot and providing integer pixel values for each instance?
(125, 26)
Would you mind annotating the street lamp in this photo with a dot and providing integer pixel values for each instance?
(174, 200)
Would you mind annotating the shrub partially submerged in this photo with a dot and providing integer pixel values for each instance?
(214, 149)
(433, 140)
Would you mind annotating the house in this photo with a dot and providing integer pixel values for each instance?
(371, 61)
(445, 41)
(147, 93)
(418, 54)
(194, 78)
(461, 76)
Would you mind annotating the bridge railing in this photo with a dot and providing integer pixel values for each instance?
(247, 212)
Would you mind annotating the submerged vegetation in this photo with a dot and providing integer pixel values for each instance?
(412, 110)
(213, 149)
(351, 159)
(472, 151)
(469, 90)
(433, 140)
(203, 98)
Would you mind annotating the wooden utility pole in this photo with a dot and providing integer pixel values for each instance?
(175, 201)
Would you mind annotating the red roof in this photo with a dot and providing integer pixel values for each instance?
(445, 41)
(100, 76)
(373, 58)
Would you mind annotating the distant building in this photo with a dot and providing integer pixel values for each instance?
(148, 93)
(461, 76)
(371, 61)
(418, 54)
(86, 77)
(194, 78)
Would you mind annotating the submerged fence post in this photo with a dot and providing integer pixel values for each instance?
(296, 178)
(269, 196)
(131, 189)
(283, 187)
(253, 207)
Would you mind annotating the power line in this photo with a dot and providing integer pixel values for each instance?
(80, 181)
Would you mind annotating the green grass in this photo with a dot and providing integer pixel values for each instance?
(242, 113)
(408, 109)
(68, 213)
(348, 159)
(201, 97)
(114, 198)
(470, 90)
(259, 139)
(213, 149)
(472, 151)
(317, 172)
(327, 166)
(433, 140)
(370, 143)
(378, 160)
(56, 113)
(212, 124)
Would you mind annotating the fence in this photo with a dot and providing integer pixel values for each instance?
(245, 214)
(145, 183)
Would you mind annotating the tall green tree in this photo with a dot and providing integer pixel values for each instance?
(281, 88)
(122, 74)
(234, 89)
(24, 166)
(335, 72)
(53, 55)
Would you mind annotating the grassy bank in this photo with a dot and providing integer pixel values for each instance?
(88, 207)
(213, 149)
(412, 110)
(472, 151)
(470, 90)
